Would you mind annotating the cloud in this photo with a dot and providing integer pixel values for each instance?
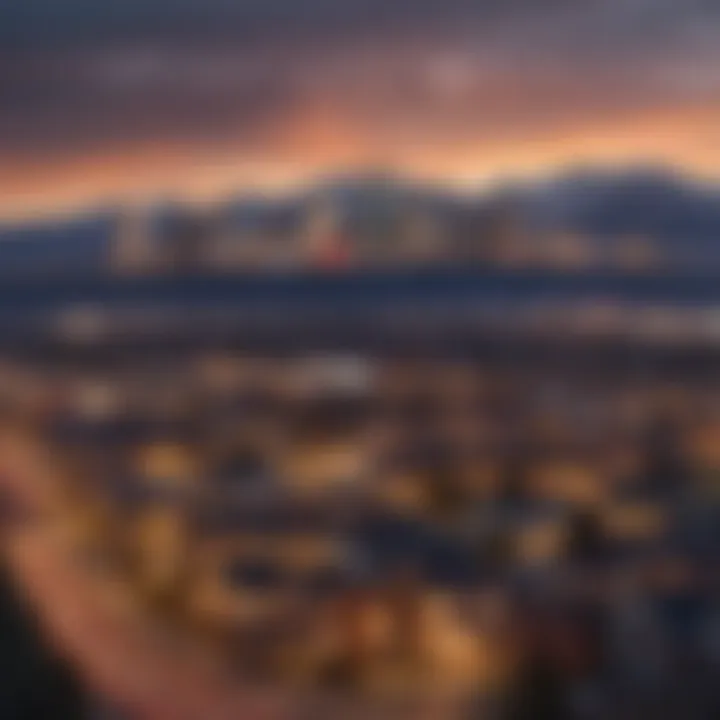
(88, 87)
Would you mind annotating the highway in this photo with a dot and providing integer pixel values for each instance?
(119, 653)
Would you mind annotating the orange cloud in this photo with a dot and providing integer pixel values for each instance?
(325, 140)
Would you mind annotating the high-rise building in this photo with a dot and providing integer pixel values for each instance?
(134, 249)
(225, 246)
(507, 240)
(421, 237)
(323, 238)
(185, 241)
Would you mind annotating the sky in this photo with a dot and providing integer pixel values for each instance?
(102, 99)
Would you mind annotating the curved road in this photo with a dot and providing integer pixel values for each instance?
(118, 653)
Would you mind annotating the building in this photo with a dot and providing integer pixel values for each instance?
(635, 253)
(324, 239)
(134, 249)
(421, 240)
(507, 241)
(186, 237)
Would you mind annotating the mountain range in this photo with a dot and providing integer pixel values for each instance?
(680, 215)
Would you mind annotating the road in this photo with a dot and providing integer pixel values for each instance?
(119, 653)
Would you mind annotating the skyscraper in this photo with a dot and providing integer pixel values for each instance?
(134, 249)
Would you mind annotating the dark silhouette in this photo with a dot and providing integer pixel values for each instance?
(34, 683)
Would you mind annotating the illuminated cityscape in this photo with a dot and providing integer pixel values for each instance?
(359, 360)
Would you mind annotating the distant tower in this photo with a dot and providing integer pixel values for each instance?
(183, 242)
(422, 238)
(189, 239)
(134, 250)
(237, 242)
(323, 239)
(508, 241)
